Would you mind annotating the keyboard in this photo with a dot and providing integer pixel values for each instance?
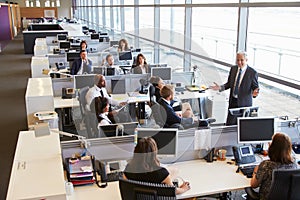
(248, 170)
(114, 176)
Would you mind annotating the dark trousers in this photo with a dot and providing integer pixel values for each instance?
(231, 119)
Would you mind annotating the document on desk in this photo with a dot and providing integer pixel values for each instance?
(202, 139)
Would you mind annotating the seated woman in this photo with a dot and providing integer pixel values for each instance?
(141, 65)
(102, 111)
(83, 45)
(280, 158)
(123, 45)
(145, 166)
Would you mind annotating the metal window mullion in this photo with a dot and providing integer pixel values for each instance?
(122, 16)
(97, 15)
(136, 23)
(242, 27)
(187, 36)
(103, 15)
(156, 31)
(112, 22)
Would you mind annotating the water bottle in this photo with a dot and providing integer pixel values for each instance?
(135, 136)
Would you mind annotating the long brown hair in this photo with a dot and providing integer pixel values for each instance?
(280, 149)
(145, 156)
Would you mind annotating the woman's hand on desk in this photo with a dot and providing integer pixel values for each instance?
(185, 186)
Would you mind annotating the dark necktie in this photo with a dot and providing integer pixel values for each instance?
(237, 83)
(101, 92)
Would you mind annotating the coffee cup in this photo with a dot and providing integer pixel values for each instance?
(222, 154)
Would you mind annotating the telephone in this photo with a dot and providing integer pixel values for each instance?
(243, 154)
(68, 93)
(99, 168)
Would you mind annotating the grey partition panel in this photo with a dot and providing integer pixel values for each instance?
(59, 83)
(186, 78)
(30, 36)
(291, 128)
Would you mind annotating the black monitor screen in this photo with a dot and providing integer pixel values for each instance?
(165, 73)
(255, 129)
(118, 86)
(129, 128)
(71, 56)
(108, 130)
(110, 71)
(82, 81)
(126, 55)
(94, 36)
(64, 45)
(61, 37)
(166, 139)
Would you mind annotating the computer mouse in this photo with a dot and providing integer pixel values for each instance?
(182, 92)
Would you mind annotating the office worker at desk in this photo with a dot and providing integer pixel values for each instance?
(280, 158)
(145, 166)
(99, 90)
(123, 45)
(141, 65)
(83, 65)
(83, 45)
(173, 119)
(110, 62)
(243, 84)
(157, 83)
(102, 111)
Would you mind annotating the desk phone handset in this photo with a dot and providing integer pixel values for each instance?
(100, 170)
(243, 154)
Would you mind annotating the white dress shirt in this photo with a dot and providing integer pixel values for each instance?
(95, 92)
(105, 120)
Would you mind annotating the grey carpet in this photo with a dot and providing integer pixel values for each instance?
(14, 74)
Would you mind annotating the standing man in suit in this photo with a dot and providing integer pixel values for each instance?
(83, 65)
(243, 84)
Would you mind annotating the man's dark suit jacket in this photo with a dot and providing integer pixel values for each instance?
(77, 64)
(171, 117)
(248, 84)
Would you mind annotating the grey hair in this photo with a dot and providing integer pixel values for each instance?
(244, 53)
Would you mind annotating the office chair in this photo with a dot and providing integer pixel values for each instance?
(284, 185)
(88, 118)
(137, 190)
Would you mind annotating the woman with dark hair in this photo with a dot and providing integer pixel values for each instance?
(102, 111)
(123, 45)
(83, 45)
(280, 158)
(141, 65)
(145, 166)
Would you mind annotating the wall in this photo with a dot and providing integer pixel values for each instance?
(63, 11)
(5, 33)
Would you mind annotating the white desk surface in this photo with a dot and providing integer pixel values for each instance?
(65, 103)
(205, 179)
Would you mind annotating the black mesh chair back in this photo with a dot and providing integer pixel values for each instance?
(281, 184)
(294, 187)
(137, 190)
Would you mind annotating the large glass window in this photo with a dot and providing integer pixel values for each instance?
(274, 40)
(214, 30)
(129, 19)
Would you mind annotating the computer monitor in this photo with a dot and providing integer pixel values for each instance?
(62, 37)
(129, 128)
(99, 70)
(95, 36)
(125, 55)
(109, 130)
(110, 71)
(84, 80)
(113, 43)
(165, 73)
(71, 56)
(255, 129)
(244, 111)
(64, 45)
(165, 138)
(118, 86)
(103, 38)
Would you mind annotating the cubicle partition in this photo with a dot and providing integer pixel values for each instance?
(192, 144)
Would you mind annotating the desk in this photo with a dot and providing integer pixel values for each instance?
(65, 103)
(205, 179)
